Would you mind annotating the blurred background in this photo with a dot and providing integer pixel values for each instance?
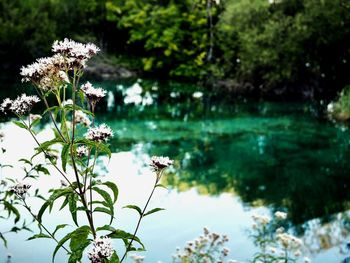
(249, 97)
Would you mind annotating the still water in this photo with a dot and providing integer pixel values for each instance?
(232, 158)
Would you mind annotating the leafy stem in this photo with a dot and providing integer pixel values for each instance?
(159, 175)
(41, 225)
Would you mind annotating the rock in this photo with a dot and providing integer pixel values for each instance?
(103, 70)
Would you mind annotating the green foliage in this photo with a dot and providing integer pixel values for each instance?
(174, 35)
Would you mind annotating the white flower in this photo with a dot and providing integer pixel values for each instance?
(261, 219)
(330, 107)
(137, 258)
(81, 117)
(47, 73)
(102, 250)
(159, 162)
(197, 95)
(6, 105)
(21, 105)
(307, 260)
(76, 53)
(93, 94)
(20, 189)
(82, 151)
(281, 215)
(99, 134)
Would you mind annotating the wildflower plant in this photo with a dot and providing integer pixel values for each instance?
(80, 142)
(274, 243)
(207, 248)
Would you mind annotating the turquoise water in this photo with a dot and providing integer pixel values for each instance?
(232, 158)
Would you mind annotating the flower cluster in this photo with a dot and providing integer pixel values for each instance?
(81, 117)
(274, 242)
(20, 189)
(99, 134)
(102, 250)
(94, 95)
(46, 72)
(260, 220)
(76, 53)
(159, 163)
(206, 248)
(51, 72)
(82, 151)
(21, 105)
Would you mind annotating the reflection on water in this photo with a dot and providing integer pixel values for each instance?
(278, 156)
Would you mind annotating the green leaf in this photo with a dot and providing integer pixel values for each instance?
(162, 186)
(153, 211)
(106, 228)
(64, 156)
(125, 236)
(49, 203)
(25, 161)
(114, 258)
(20, 124)
(12, 210)
(60, 244)
(114, 189)
(103, 210)
(58, 228)
(103, 148)
(41, 235)
(79, 239)
(135, 207)
(108, 200)
(72, 201)
(2, 237)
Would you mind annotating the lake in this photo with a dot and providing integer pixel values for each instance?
(233, 157)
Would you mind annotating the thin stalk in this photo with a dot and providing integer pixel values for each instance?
(81, 193)
(52, 118)
(41, 225)
(52, 163)
(141, 216)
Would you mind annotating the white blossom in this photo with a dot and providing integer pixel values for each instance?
(76, 53)
(160, 162)
(21, 105)
(93, 94)
(102, 250)
(81, 117)
(6, 105)
(20, 189)
(82, 151)
(99, 134)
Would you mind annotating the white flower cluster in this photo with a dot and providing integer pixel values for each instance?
(81, 117)
(102, 250)
(93, 94)
(50, 72)
(20, 189)
(209, 247)
(72, 49)
(260, 219)
(21, 105)
(289, 241)
(82, 151)
(46, 72)
(99, 134)
(160, 162)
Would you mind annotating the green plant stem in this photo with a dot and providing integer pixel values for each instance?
(52, 163)
(52, 118)
(41, 225)
(81, 193)
(141, 216)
